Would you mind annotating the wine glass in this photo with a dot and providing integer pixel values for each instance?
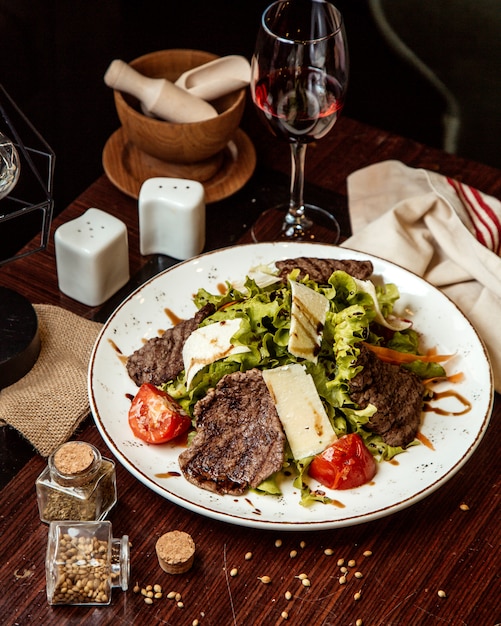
(299, 74)
(9, 165)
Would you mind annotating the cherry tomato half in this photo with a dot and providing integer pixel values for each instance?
(155, 417)
(345, 464)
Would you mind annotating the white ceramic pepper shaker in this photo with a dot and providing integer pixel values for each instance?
(172, 217)
(92, 257)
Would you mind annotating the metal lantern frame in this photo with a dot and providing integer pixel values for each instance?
(33, 194)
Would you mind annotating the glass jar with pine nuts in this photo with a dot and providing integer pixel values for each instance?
(84, 562)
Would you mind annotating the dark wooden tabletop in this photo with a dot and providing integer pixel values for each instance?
(437, 545)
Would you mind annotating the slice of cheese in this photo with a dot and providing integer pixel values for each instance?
(308, 312)
(300, 409)
(208, 344)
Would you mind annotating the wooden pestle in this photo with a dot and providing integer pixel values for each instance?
(158, 96)
(216, 78)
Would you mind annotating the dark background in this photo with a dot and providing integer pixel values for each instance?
(54, 54)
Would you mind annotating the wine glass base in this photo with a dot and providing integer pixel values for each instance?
(320, 226)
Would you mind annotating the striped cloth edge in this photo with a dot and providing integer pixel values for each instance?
(484, 218)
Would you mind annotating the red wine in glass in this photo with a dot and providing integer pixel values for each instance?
(298, 84)
(301, 107)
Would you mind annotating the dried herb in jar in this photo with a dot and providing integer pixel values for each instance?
(78, 484)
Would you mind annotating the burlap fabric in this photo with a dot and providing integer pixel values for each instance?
(49, 403)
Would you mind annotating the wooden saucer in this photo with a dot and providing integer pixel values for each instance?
(127, 167)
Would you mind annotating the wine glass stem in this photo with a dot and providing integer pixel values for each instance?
(295, 216)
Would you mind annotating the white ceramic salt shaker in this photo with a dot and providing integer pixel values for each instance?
(171, 217)
(92, 257)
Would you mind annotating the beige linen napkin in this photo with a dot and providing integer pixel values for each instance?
(50, 401)
(445, 231)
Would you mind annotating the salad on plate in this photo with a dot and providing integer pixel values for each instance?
(303, 372)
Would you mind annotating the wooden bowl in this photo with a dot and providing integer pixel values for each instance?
(178, 143)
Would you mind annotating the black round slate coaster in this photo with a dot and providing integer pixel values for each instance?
(19, 337)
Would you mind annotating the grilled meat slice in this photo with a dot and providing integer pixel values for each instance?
(396, 392)
(320, 270)
(239, 440)
(161, 358)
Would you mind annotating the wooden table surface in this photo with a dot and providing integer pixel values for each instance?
(433, 545)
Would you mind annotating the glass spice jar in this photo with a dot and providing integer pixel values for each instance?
(77, 484)
(84, 562)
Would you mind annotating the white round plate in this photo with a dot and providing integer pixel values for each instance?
(417, 472)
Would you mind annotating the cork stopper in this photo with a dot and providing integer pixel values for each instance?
(175, 552)
(74, 458)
